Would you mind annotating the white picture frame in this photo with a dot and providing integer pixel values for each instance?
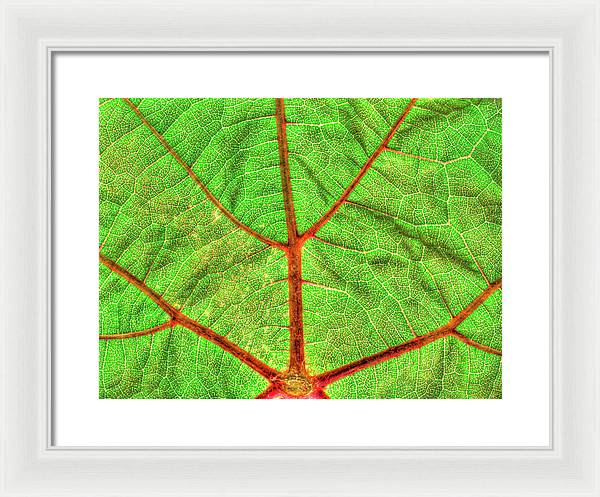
(33, 32)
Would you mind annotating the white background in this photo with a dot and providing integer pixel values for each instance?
(521, 418)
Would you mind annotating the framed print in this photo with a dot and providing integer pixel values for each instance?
(345, 257)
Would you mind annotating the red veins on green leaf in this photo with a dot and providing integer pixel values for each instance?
(300, 248)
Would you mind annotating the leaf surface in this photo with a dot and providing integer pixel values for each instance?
(342, 248)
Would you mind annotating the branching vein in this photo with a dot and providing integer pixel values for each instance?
(448, 329)
(177, 317)
(199, 182)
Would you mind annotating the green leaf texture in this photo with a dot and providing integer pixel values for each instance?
(300, 248)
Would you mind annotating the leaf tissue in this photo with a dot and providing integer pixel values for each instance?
(300, 248)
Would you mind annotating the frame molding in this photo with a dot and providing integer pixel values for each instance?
(34, 30)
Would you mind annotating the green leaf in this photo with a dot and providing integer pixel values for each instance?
(316, 248)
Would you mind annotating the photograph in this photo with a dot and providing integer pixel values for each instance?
(300, 248)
